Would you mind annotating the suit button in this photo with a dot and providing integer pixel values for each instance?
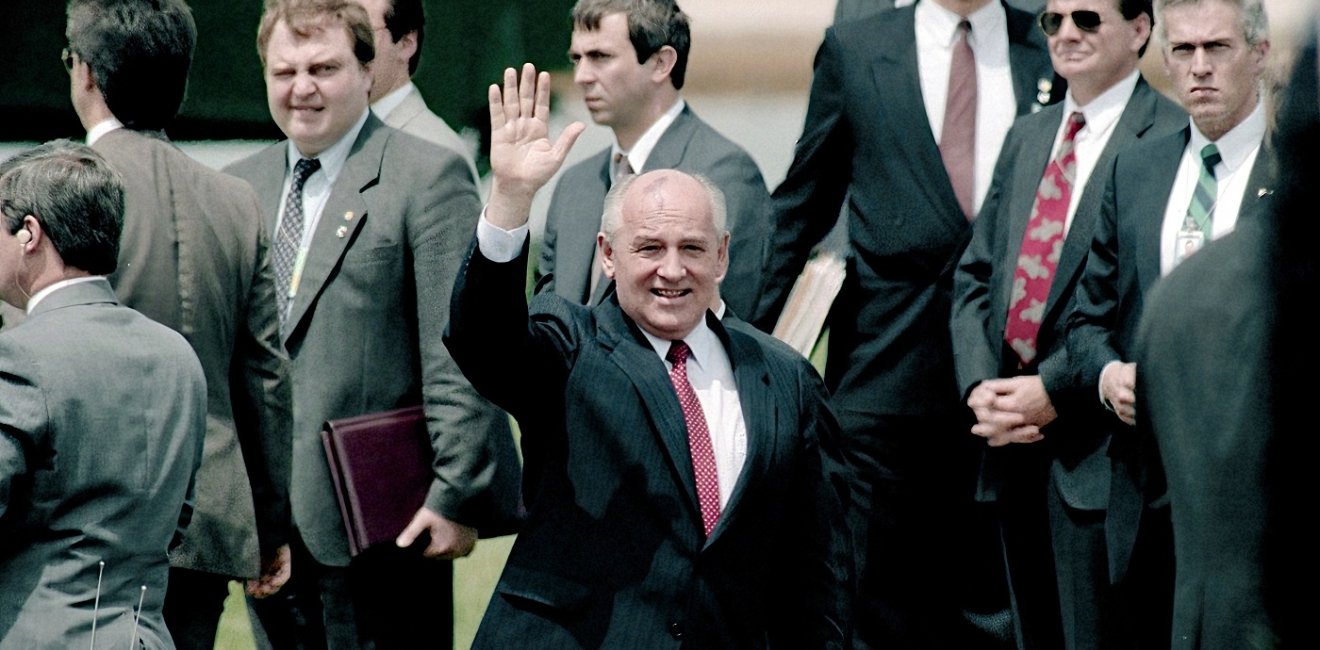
(676, 630)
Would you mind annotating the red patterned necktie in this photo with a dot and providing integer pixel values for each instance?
(958, 136)
(703, 455)
(1041, 244)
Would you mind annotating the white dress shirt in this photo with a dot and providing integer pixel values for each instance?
(55, 286)
(386, 105)
(641, 150)
(1239, 149)
(1102, 115)
(996, 103)
(103, 127)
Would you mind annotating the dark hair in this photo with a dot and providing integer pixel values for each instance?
(1133, 8)
(306, 17)
(76, 197)
(403, 17)
(652, 24)
(139, 52)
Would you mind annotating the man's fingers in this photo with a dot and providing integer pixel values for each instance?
(543, 96)
(496, 101)
(409, 534)
(567, 138)
(510, 94)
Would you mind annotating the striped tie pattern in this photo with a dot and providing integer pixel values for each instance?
(284, 253)
(1206, 194)
(703, 454)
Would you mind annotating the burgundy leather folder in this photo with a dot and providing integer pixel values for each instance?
(380, 464)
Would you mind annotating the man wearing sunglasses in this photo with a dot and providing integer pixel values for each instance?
(1013, 290)
(1165, 199)
(893, 138)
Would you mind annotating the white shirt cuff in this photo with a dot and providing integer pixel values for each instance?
(497, 244)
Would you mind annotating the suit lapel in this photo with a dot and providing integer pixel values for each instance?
(1137, 119)
(270, 186)
(344, 209)
(1033, 78)
(633, 354)
(1153, 192)
(760, 415)
(411, 106)
(669, 149)
(898, 91)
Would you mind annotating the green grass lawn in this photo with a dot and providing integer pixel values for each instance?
(474, 582)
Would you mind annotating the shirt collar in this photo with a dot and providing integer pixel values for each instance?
(1240, 141)
(332, 159)
(701, 340)
(1103, 111)
(645, 144)
(942, 24)
(52, 288)
(105, 126)
(386, 105)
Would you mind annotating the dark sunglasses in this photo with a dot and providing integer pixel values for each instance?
(66, 56)
(1087, 21)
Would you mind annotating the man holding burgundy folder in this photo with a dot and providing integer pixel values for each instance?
(368, 228)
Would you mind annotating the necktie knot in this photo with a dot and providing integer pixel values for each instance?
(962, 30)
(1210, 157)
(304, 170)
(678, 353)
(622, 168)
(1075, 123)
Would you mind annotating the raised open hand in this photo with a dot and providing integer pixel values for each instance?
(522, 158)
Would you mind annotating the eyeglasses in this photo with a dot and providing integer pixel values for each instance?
(66, 55)
(1087, 21)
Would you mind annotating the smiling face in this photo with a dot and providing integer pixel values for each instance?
(315, 86)
(1215, 71)
(1092, 62)
(666, 257)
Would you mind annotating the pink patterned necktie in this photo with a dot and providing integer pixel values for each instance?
(703, 455)
(1041, 245)
(958, 136)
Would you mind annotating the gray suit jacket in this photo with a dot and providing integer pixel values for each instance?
(613, 554)
(363, 333)
(193, 257)
(1121, 266)
(689, 144)
(983, 286)
(102, 417)
(413, 117)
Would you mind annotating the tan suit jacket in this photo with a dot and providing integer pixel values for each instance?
(414, 117)
(193, 257)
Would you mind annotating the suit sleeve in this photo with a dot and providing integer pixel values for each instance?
(262, 396)
(1091, 325)
(544, 275)
(823, 574)
(806, 204)
(975, 356)
(747, 201)
(22, 416)
(471, 438)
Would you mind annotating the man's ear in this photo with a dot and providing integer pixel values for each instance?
(665, 59)
(407, 45)
(606, 255)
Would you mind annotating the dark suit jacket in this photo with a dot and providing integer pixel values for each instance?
(613, 553)
(867, 136)
(983, 286)
(364, 328)
(691, 145)
(1211, 417)
(102, 417)
(1123, 263)
(193, 257)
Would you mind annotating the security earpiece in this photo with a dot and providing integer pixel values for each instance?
(24, 236)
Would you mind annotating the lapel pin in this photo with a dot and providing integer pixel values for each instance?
(1263, 192)
(343, 230)
(348, 216)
